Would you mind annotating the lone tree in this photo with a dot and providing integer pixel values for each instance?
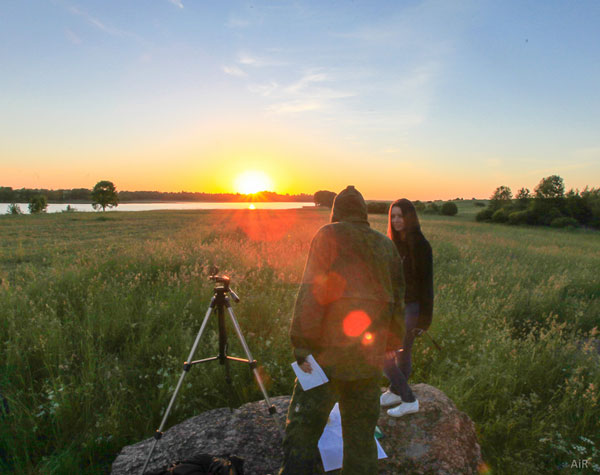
(502, 196)
(104, 195)
(550, 187)
(38, 204)
(324, 198)
(449, 209)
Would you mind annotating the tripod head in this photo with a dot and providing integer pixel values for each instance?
(222, 283)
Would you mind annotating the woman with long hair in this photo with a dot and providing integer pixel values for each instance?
(417, 262)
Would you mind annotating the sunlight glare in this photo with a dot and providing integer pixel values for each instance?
(252, 182)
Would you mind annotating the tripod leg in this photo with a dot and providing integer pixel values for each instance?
(186, 368)
(272, 409)
(223, 342)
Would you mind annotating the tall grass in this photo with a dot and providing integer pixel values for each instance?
(98, 312)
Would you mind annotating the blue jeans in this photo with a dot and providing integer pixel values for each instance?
(398, 369)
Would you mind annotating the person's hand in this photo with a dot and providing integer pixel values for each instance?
(390, 355)
(306, 367)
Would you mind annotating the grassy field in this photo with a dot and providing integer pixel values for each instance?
(98, 311)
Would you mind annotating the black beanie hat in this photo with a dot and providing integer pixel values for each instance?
(349, 205)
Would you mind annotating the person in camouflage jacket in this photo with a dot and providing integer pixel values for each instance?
(349, 309)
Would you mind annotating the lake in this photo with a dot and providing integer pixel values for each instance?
(58, 207)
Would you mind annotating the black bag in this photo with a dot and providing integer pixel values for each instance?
(205, 464)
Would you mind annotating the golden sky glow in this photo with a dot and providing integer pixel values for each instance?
(253, 181)
(422, 100)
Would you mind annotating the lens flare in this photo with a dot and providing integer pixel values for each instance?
(262, 224)
(368, 339)
(356, 322)
(484, 469)
(328, 288)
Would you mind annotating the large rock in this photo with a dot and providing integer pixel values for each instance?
(439, 439)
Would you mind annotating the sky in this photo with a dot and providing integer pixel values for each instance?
(425, 100)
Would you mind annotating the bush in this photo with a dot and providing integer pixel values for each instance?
(324, 198)
(500, 216)
(552, 214)
(484, 215)
(449, 209)
(38, 204)
(378, 207)
(479, 204)
(519, 217)
(419, 206)
(432, 208)
(14, 208)
(563, 222)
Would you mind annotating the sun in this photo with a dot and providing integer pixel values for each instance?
(252, 182)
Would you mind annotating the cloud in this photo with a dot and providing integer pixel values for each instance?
(146, 58)
(72, 37)
(294, 107)
(420, 76)
(234, 71)
(264, 90)
(305, 94)
(177, 3)
(248, 60)
(237, 23)
(102, 26)
(592, 153)
(391, 151)
(307, 80)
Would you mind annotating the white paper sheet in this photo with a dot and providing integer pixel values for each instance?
(310, 380)
(331, 443)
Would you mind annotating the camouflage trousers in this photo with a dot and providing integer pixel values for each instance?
(307, 417)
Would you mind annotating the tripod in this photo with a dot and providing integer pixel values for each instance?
(220, 301)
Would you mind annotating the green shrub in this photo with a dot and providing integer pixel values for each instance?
(551, 215)
(14, 208)
(518, 217)
(419, 206)
(432, 208)
(563, 222)
(500, 216)
(69, 209)
(484, 215)
(449, 209)
(38, 204)
(378, 207)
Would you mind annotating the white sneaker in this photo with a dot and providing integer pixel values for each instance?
(404, 408)
(389, 398)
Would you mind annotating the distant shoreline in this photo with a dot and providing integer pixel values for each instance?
(88, 202)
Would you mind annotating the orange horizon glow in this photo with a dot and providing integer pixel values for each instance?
(253, 181)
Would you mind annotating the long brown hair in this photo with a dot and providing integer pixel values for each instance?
(412, 227)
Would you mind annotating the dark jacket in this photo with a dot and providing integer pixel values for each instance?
(417, 264)
(350, 299)
(417, 261)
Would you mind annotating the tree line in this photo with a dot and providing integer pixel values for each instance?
(84, 195)
(548, 205)
(326, 197)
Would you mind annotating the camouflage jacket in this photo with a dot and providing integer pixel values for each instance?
(349, 308)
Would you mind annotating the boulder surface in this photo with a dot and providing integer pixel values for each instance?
(439, 439)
